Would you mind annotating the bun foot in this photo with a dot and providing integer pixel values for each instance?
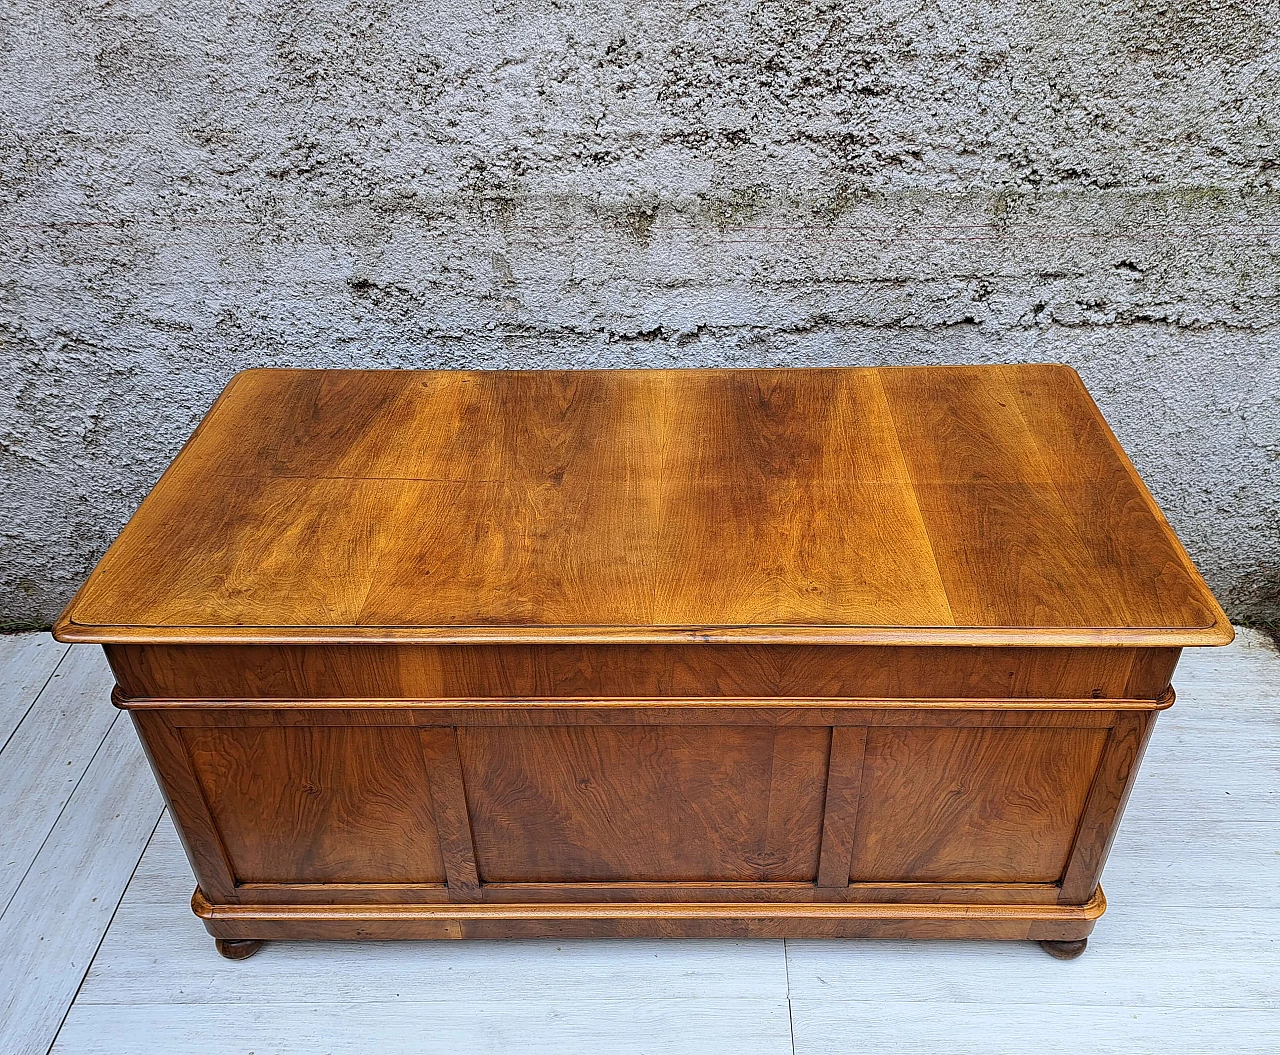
(237, 948)
(1064, 950)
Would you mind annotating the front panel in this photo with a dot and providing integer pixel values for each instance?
(319, 805)
(911, 807)
(972, 805)
(592, 672)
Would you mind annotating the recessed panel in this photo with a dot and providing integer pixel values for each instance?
(972, 805)
(645, 803)
(320, 805)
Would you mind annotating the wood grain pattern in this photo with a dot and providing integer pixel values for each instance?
(425, 671)
(449, 800)
(840, 809)
(319, 805)
(987, 806)
(1152, 671)
(1113, 780)
(791, 495)
(670, 803)
(614, 892)
(850, 506)
(171, 763)
(765, 652)
(947, 714)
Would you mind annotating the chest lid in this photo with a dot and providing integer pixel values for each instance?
(932, 505)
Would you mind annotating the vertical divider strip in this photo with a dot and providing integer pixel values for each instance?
(449, 804)
(840, 813)
(180, 786)
(1117, 770)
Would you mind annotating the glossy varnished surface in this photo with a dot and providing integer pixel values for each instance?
(812, 653)
(401, 806)
(602, 671)
(914, 506)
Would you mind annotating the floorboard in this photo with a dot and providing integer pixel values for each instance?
(565, 1025)
(46, 757)
(26, 662)
(159, 952)
(1187, 958)
(987, 1028)
(1193, 864)
(1146, 956)
(55, 921)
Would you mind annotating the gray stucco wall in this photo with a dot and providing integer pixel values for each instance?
(187, 189)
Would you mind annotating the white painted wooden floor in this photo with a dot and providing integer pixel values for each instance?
(100, 952)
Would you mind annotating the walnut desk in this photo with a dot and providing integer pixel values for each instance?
(845, 652)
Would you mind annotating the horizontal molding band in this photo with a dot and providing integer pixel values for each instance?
(464, 911)
(720, 892)
(1219, 632)
(1160, 703)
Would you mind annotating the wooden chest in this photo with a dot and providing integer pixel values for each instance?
(842, 652)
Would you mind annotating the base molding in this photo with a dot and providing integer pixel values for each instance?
(634, 920)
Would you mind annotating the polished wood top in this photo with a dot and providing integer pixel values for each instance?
(931, 505)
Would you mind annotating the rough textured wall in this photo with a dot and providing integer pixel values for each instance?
(190, 188)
